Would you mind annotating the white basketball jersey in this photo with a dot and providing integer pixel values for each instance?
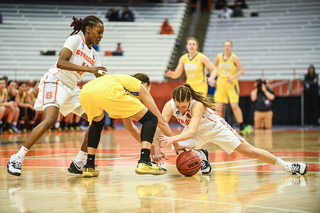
(208, 121)
(81, 55)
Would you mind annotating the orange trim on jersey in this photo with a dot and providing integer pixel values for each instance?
(211, 120)
(55, 93)
(236, 134)
(83, 40)
(44, 84)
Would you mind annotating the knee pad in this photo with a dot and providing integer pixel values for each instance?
(95, 133)
(149, 125)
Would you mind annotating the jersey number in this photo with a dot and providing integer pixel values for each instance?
(84, 65)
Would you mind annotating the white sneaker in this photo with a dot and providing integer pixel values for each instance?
(14, 165)
(76, 166)
(296, 168)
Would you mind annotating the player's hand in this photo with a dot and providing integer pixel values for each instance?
(158, 158)
(229, 80)
(165, 139)
(212, 82)
(98, 70)
(169, 73)
(179, 147)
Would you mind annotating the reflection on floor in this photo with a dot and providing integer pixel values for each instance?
(236, 183)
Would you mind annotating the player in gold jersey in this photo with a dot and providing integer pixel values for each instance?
(227, 86)
(194, 63)
(125, 97)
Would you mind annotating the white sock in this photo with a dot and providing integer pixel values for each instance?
(81, 156)
(57, 125)
(23, 151)
(14, 123)
(281, 163)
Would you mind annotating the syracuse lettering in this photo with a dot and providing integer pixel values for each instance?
(83, 55)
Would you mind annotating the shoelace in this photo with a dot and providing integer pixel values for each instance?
(203, 164)
(295, 167)
(16, 164)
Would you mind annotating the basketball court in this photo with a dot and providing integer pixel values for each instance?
(236, 183)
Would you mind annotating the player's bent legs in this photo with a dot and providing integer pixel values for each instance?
(149, 125)
(51, 116)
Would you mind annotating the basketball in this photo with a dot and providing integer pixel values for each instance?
(188, 163)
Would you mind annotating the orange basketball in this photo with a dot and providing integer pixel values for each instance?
(188, 163)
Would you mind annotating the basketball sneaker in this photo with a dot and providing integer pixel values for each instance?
(149, 168)
(76, 167)
(14, 165)
(205, 165)
(296, 168)
(89, 171)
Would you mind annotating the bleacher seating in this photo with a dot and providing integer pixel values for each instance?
(278, 44)
(29, 29)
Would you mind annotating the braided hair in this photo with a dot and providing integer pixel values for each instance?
(81, 24)
(185, 92)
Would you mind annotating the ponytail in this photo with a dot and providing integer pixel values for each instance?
(81, 24)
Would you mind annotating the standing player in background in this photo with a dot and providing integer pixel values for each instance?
(58, 87)
(194, 63)
(227, 85)
(203, 125)
(128, 98)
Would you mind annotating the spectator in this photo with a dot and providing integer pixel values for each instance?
(112, 15)
(237, 12)
(119, 51)
(6, 109)
(24, 106)
(240, 3)
(13, 99)
(226, 12)
(220, 4)
(310, 92)
(127, 15)
(166, 28)
(37, 116)
(1, 18)
(263, 96)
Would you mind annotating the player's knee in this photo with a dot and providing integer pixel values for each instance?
(99, 124)
(149, 124)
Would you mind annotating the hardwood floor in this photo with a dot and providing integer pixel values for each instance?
(236, 183)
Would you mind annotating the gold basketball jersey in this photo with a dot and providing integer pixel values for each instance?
(194, 69)
(227, 68)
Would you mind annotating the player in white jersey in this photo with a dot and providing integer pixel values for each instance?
(58, 89)
(203, 125)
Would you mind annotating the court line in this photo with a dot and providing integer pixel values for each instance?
(164, 198)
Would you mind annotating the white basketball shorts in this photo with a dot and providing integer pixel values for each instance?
(221, 134)
(52, 92)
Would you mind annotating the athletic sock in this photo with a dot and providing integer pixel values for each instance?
(145, 155)
(23, 151)
(281, 163)
(90, 160)
(81, 156)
